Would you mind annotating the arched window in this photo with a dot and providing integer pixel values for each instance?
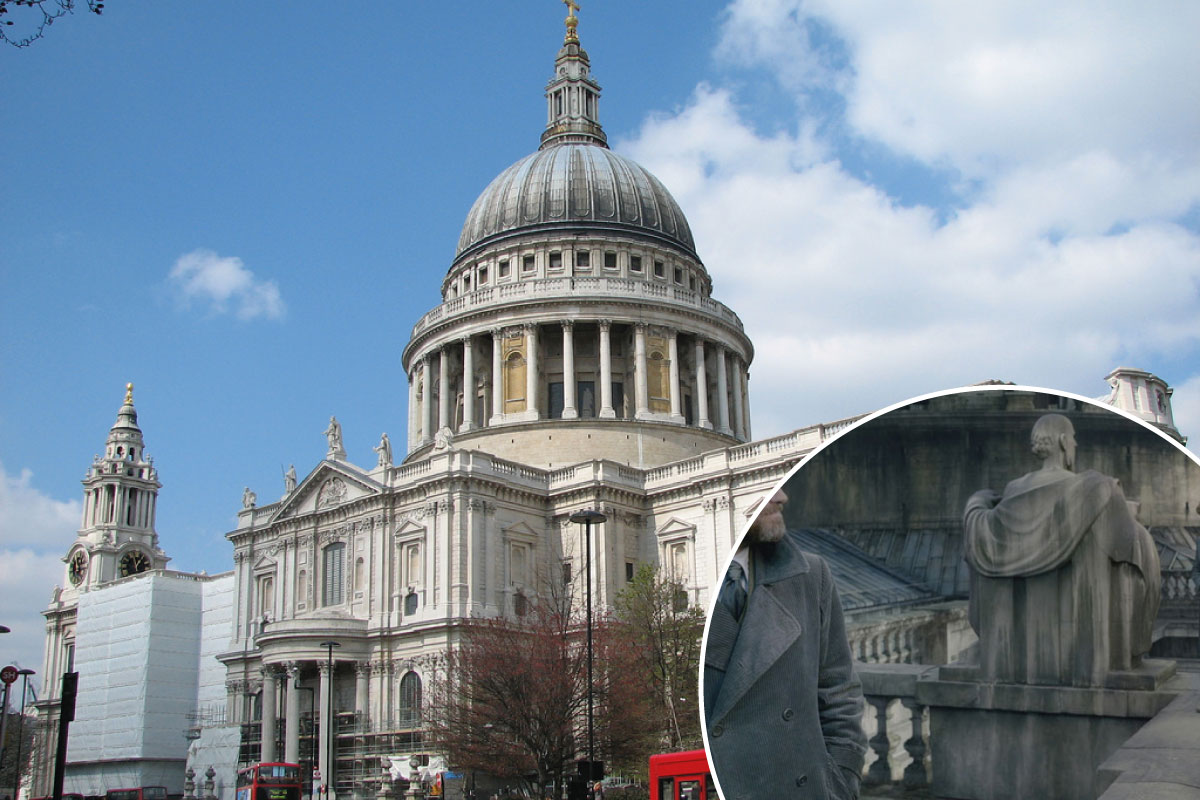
(658, 381)
(302, 588)
(334, 565)
(360, 574)
(410, 699)
(514, 383)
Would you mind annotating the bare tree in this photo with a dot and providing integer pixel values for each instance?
(512, 699)
(36, 16)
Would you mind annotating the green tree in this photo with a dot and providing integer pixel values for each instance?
(664, 630)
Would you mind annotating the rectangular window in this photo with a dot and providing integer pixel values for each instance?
(583, 259)
(566, 572)
(555, 396)
(556, 260)
(334, 567)
(585, 392)
(528, 264)
(618, 398)
(628, 571)
(660, 269)
(610, 260)
(678, 275)
(635, 263)
(482, 275)
(504, 268)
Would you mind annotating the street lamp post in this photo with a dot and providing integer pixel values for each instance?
(4, 706)
(327, 712)
(587, 517)
(25, 673)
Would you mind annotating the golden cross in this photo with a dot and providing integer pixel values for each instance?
(572, 7)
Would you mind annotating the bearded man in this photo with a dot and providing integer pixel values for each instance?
(782, 705)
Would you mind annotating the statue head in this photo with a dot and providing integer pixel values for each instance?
(1053, 440)
(769, 526)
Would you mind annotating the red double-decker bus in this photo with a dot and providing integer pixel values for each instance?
(681, 776)
(269, 782)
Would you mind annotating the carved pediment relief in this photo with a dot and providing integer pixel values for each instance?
(329, 487)
(264, 564)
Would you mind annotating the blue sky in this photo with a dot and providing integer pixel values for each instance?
(242, 208)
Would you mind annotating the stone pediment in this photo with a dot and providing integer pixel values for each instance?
(264, 564)
(329, 486)
(521, 532)
(675, 527)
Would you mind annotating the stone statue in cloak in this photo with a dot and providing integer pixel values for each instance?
(1064, 580)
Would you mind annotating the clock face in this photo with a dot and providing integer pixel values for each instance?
(133, 563)
(77, 568)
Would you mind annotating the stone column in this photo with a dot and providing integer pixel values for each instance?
(497, 378)
(468, 383)
(722, 392)
(606, 400)
(676, 392)
(739, 410)
(412, 412)
(323, 754)
(291, 725)
(702, 420)
(426, 400)
(642, 391)
(531, 370)
(568, 344)
(269, 671)
(749, 431)
(444, 393)
(362, 673)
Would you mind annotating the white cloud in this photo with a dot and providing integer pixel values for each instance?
(224, 285)
(29, 518)
(35, 532)
(983, 85)
(1066, 259)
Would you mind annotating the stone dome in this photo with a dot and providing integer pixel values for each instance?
(584, 185)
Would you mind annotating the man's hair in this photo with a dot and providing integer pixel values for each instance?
(1047, 432)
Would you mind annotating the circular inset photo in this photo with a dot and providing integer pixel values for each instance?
(985, 593)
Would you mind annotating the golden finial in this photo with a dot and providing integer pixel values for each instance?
(129, 394)
(572, 21)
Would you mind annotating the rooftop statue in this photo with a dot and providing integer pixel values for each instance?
(334, 434)
(1064, 581)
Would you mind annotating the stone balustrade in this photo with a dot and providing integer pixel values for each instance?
(1159, 762)
(898, 727)
(575, 288)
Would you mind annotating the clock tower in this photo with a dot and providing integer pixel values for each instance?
(120, 495)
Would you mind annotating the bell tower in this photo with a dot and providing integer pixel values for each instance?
(120, 497)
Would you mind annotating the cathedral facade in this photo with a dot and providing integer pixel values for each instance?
(578, 360)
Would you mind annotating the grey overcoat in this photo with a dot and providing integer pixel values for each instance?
(783, 707)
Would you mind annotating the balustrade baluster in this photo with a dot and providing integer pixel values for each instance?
(881, 770)
(914, 773)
